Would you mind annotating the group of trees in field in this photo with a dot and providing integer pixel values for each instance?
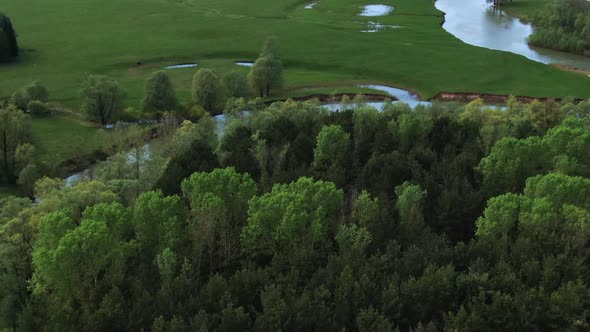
(446, 217)
(563, 25)
(103, 97)
(103, 102)
(18, 157)
(8, 44)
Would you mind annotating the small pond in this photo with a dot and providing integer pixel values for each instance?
(244, 63)
(376, 10)
(182, 65)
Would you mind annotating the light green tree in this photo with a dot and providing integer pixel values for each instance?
(206, 89)
(332, 153)
(219, 202)
(15, 128)
(293, 218)
(102, 98)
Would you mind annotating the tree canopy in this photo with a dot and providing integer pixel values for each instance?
(295, 218)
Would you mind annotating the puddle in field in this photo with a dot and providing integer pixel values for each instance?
(376, 27)
(244, 63)
(376, 10)
(182, 65)
(311, 5)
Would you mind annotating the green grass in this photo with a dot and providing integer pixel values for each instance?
(65, 40)
(59, 138)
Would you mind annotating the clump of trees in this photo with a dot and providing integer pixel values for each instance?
(8, 43)
(34, 92)
(266, 73)
(563, 25)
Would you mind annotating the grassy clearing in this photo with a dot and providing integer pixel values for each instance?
(59, 138)
(65, 40)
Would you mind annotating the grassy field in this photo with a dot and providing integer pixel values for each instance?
(65, 40)
(59, 138)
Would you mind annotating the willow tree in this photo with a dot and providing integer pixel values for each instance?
(267, 71)
(8, 43)
(14, 131)
(102, 98)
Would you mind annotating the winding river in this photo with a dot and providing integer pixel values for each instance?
(476, 22)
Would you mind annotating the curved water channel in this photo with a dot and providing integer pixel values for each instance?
(477, 22)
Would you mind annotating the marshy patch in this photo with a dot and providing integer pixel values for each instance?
(376, 10)
(376, 27)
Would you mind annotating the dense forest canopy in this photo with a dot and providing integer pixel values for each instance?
(8, 43)
(448, 217)
(563, 25)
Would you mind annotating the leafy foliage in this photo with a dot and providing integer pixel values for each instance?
(446, 219)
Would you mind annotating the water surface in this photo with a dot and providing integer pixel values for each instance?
(182, 65)
(244, 63)
(376, 10)
(376, 27)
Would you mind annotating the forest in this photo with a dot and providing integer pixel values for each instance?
(265, 190)
(460, 218)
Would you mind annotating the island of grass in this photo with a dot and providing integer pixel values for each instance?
(321, 47)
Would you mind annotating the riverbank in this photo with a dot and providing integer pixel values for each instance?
(466, 97)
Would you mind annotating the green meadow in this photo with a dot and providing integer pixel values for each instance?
(65, 40)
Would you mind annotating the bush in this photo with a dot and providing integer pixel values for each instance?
(33, 91)
(38, 108)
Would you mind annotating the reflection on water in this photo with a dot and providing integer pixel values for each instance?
(376, 10)
(477, 23)
(184, 65)
(244, 63)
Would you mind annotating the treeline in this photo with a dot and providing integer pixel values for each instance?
(298, 219)
(563, 25)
